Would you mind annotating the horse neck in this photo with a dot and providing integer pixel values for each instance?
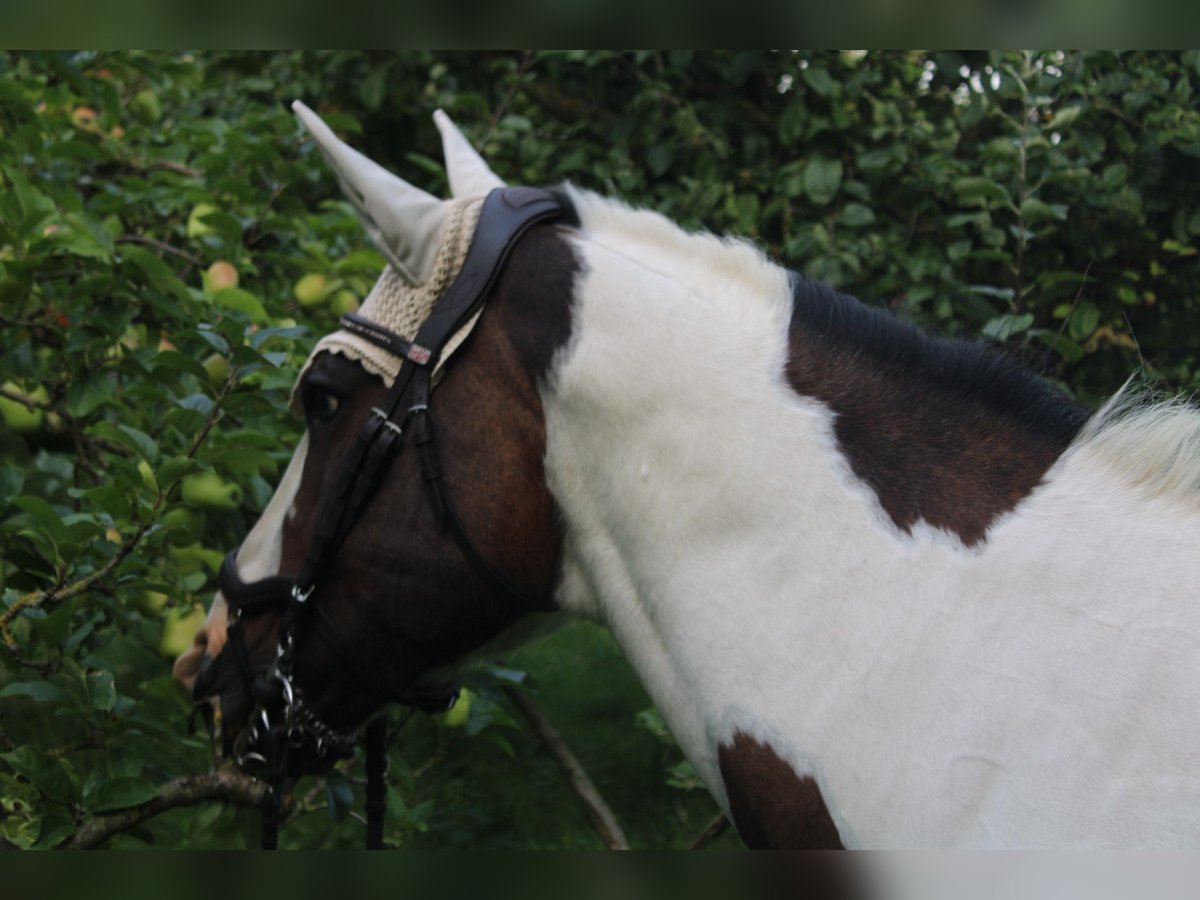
(763, 585)
(698, 490)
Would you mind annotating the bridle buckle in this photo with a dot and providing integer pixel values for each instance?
(387, 422)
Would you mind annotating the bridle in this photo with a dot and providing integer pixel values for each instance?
(282, 724)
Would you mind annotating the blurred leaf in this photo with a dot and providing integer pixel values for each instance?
(12, 480)
(1084, 320)
(818, 79)
(242, 301)
(89, 392)
(44, 515)
(821, 179)
(374, 88)
(982, 190)
(102, 690)
(856, 215)
(42, 691)
(1003, 327)
(120, 793)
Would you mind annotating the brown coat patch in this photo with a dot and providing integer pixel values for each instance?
(400, 598)
(952, 433)
(773, 807)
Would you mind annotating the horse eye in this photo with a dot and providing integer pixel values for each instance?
(321, 404)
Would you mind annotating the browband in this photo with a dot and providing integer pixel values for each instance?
(507, 214)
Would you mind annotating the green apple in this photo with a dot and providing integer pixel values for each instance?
(312, 289)
(179, 628)
(208, 490)
(147, 474)
(217, 368)
(183, 526)
(19, 417)
(344, 301)
(196, 227)
(195, 558)
(458, 714)
(220, 275)
(146, 105)
(151, 603)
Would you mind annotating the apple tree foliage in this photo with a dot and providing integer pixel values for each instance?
(157, 211)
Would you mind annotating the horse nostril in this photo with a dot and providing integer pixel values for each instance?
(206, 678)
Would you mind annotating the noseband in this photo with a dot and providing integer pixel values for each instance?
(282, 724)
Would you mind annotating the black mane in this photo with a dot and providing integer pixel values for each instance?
(860, 334)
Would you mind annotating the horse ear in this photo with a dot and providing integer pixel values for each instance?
(404, 222)
(469, 174)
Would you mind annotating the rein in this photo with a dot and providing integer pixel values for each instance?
(282, 723)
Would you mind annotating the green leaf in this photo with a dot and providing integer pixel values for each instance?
(1084, 320)
(120, 793)
(856, 215)
(980, 190)
(374, 88)
(1003, 327)
(142, 443)
(12, 479)
(1068, 349)
(819, 80)
(1065, 116)
(89, 393)
(659, 158)
(42, 691)
(1034, 211)
(55, 829)
(988, 290)
(157, 272)
(83, 238)
(291, 333)
(180, 362)
(44, 515)
(822, 176)
(244, 302)
(47, 773)
(102, 691)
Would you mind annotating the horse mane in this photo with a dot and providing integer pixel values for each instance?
(1148, 441)
(868, 335)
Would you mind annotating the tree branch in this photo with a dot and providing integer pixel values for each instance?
(225, 786)
(597, 810)
(159, 245)
(28, 402)
(522, 68)
(135, 162)
(712, 831)
(60, 591)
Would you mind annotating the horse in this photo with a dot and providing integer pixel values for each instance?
(886, 589)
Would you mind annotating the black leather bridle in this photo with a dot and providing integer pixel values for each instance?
(281, 724)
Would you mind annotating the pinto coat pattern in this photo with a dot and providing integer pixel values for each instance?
(1031, 685)
(886, 591)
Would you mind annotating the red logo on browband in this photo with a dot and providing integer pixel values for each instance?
(418, 354)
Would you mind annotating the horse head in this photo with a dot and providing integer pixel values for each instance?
(401, 598)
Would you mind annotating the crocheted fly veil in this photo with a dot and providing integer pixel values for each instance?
(402, 307)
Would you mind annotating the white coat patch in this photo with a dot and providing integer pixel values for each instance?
(1038, 689)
